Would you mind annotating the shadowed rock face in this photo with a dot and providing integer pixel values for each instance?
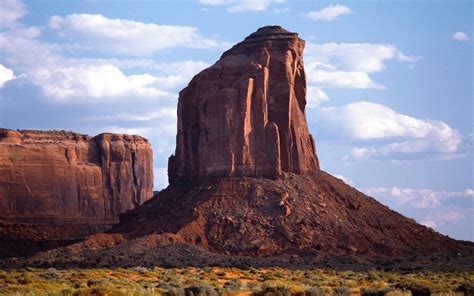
(244, 116)
(65, 179)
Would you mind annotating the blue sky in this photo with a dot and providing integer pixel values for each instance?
(389, 83)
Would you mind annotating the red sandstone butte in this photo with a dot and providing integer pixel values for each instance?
(256, 185)
(244, 116)
(62, 184)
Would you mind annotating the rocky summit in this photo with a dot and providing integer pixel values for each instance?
(58, 185)
(245, 178)
(244, 115)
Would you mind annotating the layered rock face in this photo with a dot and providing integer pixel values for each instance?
(64, 178)
(244, 116)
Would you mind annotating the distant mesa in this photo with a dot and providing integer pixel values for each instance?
(57, 185)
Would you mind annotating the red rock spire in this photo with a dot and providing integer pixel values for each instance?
(244, 115)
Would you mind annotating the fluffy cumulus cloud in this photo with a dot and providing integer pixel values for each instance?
(235, 6)
(90, 82)
(5, 75)
(329, 13)
(64, 79)
(349, 65)
(359, 57)
(10, 12)
(315, 96)
(127, 36)
(445, 211)
(387, 133)
(460, 36)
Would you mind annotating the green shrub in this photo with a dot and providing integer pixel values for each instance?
(315, 291)
(374, 292)
(341, 291)
(94, 282)
(466, 288)
(274, 291)
(233, 285)
(220, 273)
(398, 293)
(201, 290)
(416, 289)
(174, 292)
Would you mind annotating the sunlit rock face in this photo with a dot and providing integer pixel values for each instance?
(245, 115)
(65, 178)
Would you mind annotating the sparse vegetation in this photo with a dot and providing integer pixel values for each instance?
(231, 281)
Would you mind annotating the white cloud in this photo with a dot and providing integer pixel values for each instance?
(429, 223)
(10, 12)
(460, 36)
(348, 65)
(438, 209)
(407, 59)
(343, 79)
(5, 75)
(315, 96)
(140, 131)
(281, 10)
(71, 79)
(469, 192)
(417, 198)
(451, 216)
(241, 5)
(346, 180)
(186, 68)
(127, 36)
(358, 153)
(368, 122)
(89, 82)
(329, 13)
(216, 2)
(360, 57)
(161, 177)
(168, 113)
(20, 48)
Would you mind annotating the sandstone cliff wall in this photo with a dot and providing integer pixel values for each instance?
(68, 178)
(244, 116)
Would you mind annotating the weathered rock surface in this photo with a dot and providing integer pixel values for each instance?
(312, 214)
(240, 122)
(63, 185)
(244, 116)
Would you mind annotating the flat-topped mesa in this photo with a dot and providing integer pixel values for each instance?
(58, 177)
(245, 115)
